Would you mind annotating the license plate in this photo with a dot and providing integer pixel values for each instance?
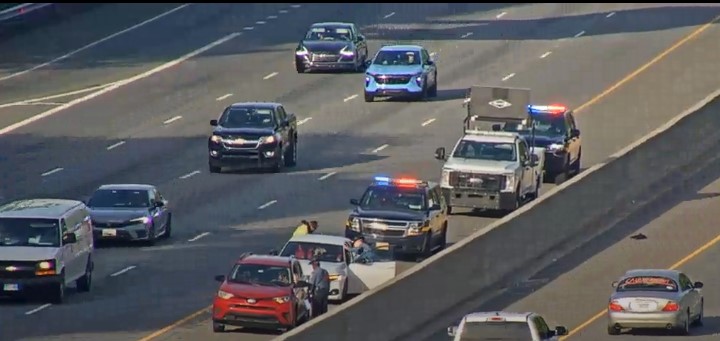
(378, 226)
(109, 233)
(11, 287)
(382, 245)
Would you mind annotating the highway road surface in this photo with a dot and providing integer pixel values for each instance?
(155, 87)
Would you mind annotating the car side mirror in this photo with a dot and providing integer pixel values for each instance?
(534, 160)
(575, 133)
(69, 238)
(354, 202)
(440, 153)
(496, 127)
(452, 330)
(698, 285)
(159, 204)
(220, 278)
(430, 62)
(214, 123)
(302, 284)
(368, 63)
(436, 207)
(360, 37)
(274, 252)
(614, 284)
(560, 331)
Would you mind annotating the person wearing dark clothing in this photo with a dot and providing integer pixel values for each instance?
(320, 288)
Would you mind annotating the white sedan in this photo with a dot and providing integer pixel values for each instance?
(349, 273)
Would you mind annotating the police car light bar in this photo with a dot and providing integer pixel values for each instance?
(385, 181)
(547, 109)
(490, 133)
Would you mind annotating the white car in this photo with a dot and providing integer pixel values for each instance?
(349, 273)
(503, 325)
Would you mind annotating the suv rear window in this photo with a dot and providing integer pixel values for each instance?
(495, 331)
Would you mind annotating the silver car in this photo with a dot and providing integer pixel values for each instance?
(655, 299)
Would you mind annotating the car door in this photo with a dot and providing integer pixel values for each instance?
(527, 171)
(574, 142)
(69, 259)
(360, 43)
(435, 215)
(428, 67)
(83, 233)
(159, 214)
(281, 117)
(691, 297)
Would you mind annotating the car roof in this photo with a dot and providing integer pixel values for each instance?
(255, 104)
(509, 316)
(130, 187)
(265, 260)
(38, 208)
(321, 239)
(490, 138)
(401, 48)
(331, 23)
(674, 274)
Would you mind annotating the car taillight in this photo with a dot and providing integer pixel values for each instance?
(615, 306)
(671, 306)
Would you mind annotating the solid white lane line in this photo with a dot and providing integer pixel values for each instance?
(270, 76)
(115, 145)
(44, 306)
(118, 84)
(466, 35)
(45, 103)
(380, 148)
(65, 94)
(52, 171)
(545, 54)
(123, 271)
(350, 98)
(508, 77)
(267, 204)
(188, 175)
(579, 34)
(95, 43)
(610, 14)
(223, 97)
(172, 119)
(500, 15)
(202, 235)
(428, 122)
(248, 28)
(304, 120)
(326, 176)
(389, 15)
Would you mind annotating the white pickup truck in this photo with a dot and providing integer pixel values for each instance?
(502, 325)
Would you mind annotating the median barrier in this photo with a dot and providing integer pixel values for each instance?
(574, 212)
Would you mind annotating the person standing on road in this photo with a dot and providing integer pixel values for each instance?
(320, 288)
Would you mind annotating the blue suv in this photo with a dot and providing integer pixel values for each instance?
(401, 71)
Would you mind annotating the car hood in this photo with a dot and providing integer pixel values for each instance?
(117, 214)
(331, 268)
(648, 294)
(27, 253)
(394, 69)
(255, 291)
(543, 141)
(480, 166)
(326, 46)
(246, 133)
(391, 215)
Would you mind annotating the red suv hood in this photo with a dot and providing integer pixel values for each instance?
(255, 291)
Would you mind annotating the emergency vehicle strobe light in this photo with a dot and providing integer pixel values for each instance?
(385, 181)
(547, 109)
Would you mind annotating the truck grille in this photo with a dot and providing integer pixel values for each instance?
(382, 227)
(323, 57)
(17, 269)
(393, 80)
(485, 182)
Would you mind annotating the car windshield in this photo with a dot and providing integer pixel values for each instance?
(247, 117)
(495, 331)
(119, 198)
(393, 198)
(397, 58)
(341, 33)
(545, 125)
(491, 151)
(29, 232)
(647, 283)
(260, 274)
(306, 250)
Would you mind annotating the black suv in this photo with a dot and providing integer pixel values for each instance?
(256, 135)
(331, 46)
(409, 214)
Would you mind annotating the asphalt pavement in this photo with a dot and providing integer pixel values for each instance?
(153, 129)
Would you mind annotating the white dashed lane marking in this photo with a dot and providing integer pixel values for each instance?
(173, 119)
(295, 6)
(380, 148)
(223, 97)
(350, 98)
(304, 120)
(115, 145)
(545, 54)
(271, 17)
(428, 122)
(260, 22)
(52, 171)
(188, 175)
(248, 28)
(389, 15)
(326, 176)
(610, 14)
(202, 235)
(282, 11)
(123, 271)
(508, 77)
(500, 15)
(579, 34)
(270, 76)
(267, 204)
(466, 35)
(44, 306)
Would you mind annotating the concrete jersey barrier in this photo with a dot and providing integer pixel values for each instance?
(576, 209)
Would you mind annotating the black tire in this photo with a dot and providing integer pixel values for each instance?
(576, 165)
(168, 227)
(214, 169)
(536, 194)
(443, 238)
(449, 210)
(424, 93)
(369, 98)
(291, 158)
(299, 68)
(433, 89)
(280, 163)
(613, 331)
(218, 327)
(685, 328)
(699, 320)
(84, 283)
(344, 292)
(152, 237)
(57, 294)
(427, 251)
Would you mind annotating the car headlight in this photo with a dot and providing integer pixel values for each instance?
(556, 147)
(354, 224)
(509, 183)
(347, 51)
(224, 295)
(445, 178)
(419, 79)
(267, 139)
(45, 268)
(142, 220)
(216, 138)
(416, 228)
(301, 51)
(336, 277)
(283, 299)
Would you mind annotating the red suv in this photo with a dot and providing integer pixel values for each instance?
(261, 292)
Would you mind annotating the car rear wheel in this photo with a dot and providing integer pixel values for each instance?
(83, 283)
(291, 157)
(214, 169)
(433, 89)
(299, 68)
(684, 329)
(613, 331)
(699, 320)
(576, 164)
(218, 327)
(168, 227)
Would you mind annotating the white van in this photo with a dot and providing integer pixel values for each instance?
(45, 244)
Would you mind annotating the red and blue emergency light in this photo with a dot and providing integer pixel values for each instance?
(547, 109)
(402, 182)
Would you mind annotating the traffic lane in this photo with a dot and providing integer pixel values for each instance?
(681, 78)
(160, 40)
(119, 112)
(577, 286)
